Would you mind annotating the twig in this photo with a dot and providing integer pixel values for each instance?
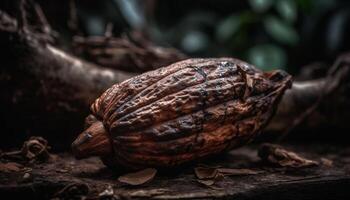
(7, 23)
(46, 28)
(22, 18)
(335, 75)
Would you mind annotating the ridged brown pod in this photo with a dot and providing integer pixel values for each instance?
(180, 113)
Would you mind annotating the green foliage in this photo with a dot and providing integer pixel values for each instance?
(194, 41)
(266, 33)
(287, 9)
(228, 27)
(267, 56)
(270, 26)
(260, 5)
(280, 30)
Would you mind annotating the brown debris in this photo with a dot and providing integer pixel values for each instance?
(138, 178)
(205, 173)
(209, 182)
(10, 167)
(277, 155)
(33, 150)
(208, 176)
(36, 148)
(326, 162)
(108, 193)
(27, 177)
(182, 183)
(72, 191)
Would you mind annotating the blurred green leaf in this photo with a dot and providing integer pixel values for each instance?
(267, 57)
(194, 41)
(227, 28)
(281, 31)
(260, 5)
(287, 9)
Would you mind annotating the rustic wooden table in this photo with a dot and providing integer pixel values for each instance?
(320, 182)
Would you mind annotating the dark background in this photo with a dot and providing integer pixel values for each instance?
(287, 34)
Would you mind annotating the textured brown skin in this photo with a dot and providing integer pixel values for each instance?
(187, 111)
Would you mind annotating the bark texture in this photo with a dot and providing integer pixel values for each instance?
(68, 178)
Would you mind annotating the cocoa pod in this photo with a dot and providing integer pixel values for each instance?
(180, 113)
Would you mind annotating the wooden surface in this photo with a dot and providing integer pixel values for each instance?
(320, 182)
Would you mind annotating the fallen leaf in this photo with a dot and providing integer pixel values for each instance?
(236, 172)
(138, 178)
(10, 167)
(36, 148)
(208, 176)
(209, 182)
(205, 172)
(279, 156)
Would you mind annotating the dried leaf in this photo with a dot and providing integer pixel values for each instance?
(236, 172)
(208, 182)
(276, 155)
(208, 176)
(205, 173)
(10, 167)
(138, 178)
(36, 148)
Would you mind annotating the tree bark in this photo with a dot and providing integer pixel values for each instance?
(45, 91)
